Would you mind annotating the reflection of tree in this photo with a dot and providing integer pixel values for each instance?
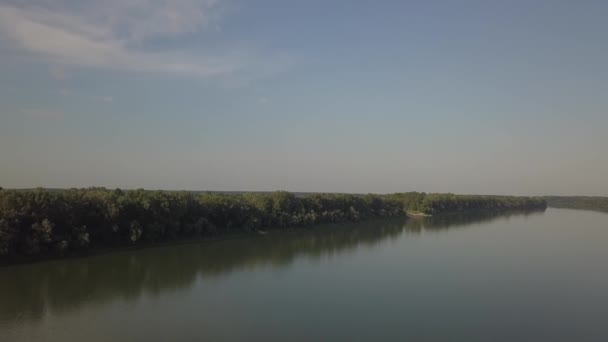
(448, 221)
(579, 202)
(64, 285)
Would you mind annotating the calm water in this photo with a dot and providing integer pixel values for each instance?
(534, 277)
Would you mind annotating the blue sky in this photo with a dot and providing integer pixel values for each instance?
(350, 96)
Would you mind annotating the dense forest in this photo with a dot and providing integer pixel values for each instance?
(37, 223)
(578, 202)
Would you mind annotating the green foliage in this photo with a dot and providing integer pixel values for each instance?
(38, 223)
(135, 231)
(7, 238)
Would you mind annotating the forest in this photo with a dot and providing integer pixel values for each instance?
(40, 223)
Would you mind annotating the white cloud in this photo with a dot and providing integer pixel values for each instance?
(142, 19)
(109, 34)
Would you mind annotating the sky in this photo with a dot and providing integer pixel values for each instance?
(484, 97)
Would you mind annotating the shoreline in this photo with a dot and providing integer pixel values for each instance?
(45, 225)
(417, 214)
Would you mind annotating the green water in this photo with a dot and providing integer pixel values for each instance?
(522, 277)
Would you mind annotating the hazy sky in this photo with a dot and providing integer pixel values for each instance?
(505, 97)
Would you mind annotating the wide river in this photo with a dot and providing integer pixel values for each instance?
(539, 276)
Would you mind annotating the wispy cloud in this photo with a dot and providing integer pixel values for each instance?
(58, 73)
(43, 113)
(84, 96)
(112, 34)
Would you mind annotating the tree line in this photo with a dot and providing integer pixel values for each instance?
(39, 223)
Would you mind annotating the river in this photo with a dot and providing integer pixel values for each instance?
(538, 276)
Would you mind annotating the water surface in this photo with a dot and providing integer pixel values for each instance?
(517, 277)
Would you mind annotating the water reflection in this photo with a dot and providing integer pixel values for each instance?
(449, 221)
(28, 292)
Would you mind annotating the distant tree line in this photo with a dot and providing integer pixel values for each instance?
(37, 223)
(579, 202)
